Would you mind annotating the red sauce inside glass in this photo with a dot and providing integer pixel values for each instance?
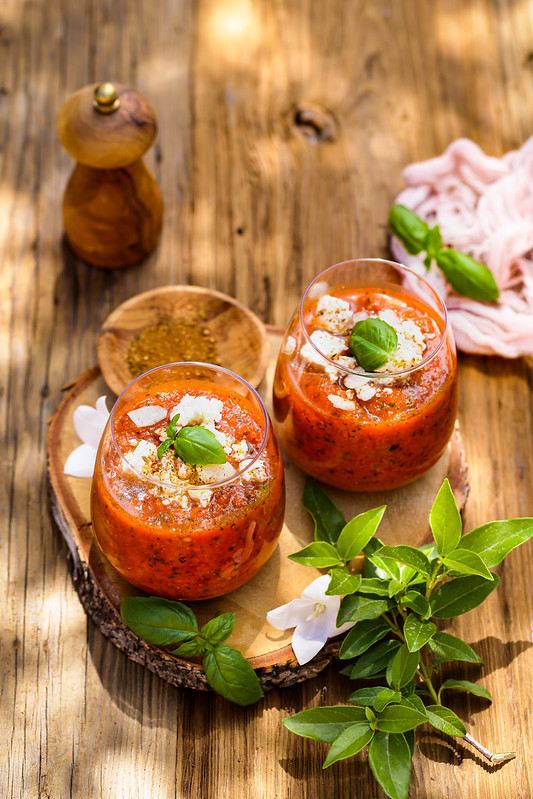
(194, 552)
(385, 441)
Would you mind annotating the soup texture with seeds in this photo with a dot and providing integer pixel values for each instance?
(188, 531)
(365, 432)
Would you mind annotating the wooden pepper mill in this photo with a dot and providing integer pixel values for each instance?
(112, 208)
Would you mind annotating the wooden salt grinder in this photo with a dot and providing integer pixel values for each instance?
(112, 208)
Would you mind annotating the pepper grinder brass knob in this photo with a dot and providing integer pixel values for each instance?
(112, 207)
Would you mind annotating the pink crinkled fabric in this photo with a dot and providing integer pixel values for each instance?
(484, 207)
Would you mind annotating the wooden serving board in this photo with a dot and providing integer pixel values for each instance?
(101, 589)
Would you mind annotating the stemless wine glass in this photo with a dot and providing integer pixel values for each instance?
(375, 430)
(178, 529)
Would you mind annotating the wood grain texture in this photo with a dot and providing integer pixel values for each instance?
(283, 129)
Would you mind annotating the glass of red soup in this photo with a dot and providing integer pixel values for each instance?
(188, 497)
(365, 388)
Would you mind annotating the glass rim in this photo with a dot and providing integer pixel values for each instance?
(180, 487)
(360, 372)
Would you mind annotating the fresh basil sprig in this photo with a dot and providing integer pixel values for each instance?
(395, 606)
(195, 445)
(372, 341)
(466, 276)
(173, 625)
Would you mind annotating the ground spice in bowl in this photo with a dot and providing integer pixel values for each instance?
(185, 338)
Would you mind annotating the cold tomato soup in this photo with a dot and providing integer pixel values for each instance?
(188, 531)
(359, 431)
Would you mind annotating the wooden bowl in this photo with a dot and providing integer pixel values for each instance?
(239, 337)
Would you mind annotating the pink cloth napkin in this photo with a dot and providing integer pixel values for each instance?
(484, 207)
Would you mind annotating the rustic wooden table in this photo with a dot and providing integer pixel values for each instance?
(284, 128)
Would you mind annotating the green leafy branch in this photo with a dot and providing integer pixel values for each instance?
(466, 276)
(173, 625)
(394, 605)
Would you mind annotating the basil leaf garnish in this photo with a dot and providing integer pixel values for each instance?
(409, 228)
(197, 446)
(371, 343)
(468, 277)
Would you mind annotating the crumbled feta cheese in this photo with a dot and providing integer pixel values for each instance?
(141, 456)
(346, 361)
(256, 473)
(147, 415)
(389, 316)
(365, 392)
(289, 346)
(334, 314)
(240, 450)
(215, 472)
(200, 495)
(355, 381)
(341, 403)
(197, 410)
(219, 435)
(319, 288)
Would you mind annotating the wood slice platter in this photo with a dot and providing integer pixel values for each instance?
(269, 651)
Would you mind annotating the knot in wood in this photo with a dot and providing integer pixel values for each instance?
(314, 123)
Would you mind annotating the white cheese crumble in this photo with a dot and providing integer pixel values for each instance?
(257, 472)
(147, 415)
(319, 288)
(197, 410)
(289, 346)
(341, 403)
(215, 472)
(366, 392)
(141, 456)
(334, 314)
(200, 495)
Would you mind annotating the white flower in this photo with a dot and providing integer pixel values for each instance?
(314, 617)
(89, 424)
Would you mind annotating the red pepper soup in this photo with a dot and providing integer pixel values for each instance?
(357, 430)
(200, 520)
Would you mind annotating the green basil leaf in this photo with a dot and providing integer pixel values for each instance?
(373, 585)
(172, 427)
(376, 568)
(349, 742)
(389, 756)
(465, 561)
(319, 554)
(375, 660)
(163, 622)
(328, 519)
(461, 595)
(324, 724)
(417, 632)
(447, 647)
(366, 696)
(402, 668)
(445, 720)
(410, 737)
(466, 685)
(400, 718)
(445, 520)
(357, 607)
(357, 533)
(408, 555)
(414, 701)
(409, 228)
(362, 637)
(371, 342)
(198, 446)
(164, 446)
(386, 697)
(343, 583)
(231, 675)
(218, 629)
(468, 277)
(395, 587)
(493, 541)
(433, 244)
(190, 649)
(415, 601)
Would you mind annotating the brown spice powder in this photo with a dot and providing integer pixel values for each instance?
(186, 338)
